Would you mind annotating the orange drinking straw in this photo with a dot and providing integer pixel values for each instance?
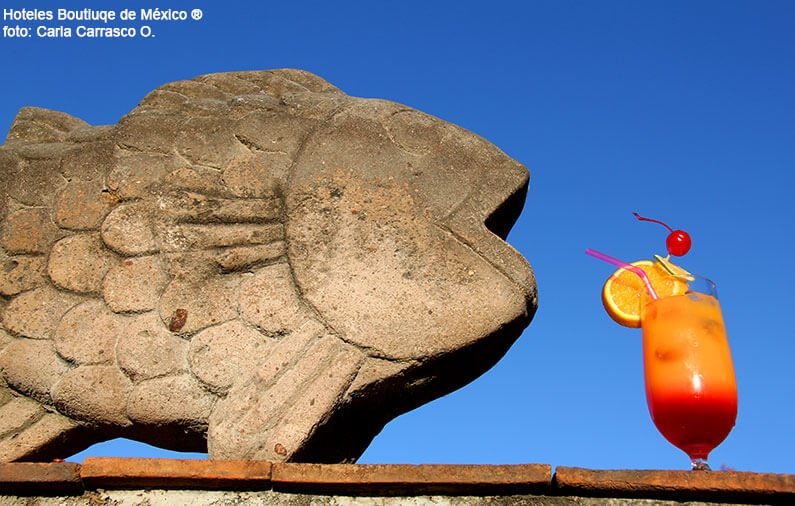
(624, 265)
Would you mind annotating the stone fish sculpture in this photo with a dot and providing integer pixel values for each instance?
(252, 264)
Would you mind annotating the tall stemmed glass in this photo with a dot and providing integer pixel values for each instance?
(690, 384)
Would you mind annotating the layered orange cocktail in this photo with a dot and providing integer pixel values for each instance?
(690, 384)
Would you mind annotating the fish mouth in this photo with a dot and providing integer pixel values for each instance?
(489, 241)
(483, 219)
(472, 189)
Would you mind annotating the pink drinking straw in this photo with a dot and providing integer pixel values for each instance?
(624, 265)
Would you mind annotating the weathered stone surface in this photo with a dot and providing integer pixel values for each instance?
(270, 301)
(88, 161)
(253, 263)
(128, 230)
(28, 230)
(222, 354)
(5, 340)
(172, 399)
(18, 413)
(190, 297)
(135, 284)
(78, 263)
(20, 273)
(246, 257)
(172, 496)
(34, 124)
(82, 205)
(93, 393)
(135, 171)
(257, 174)
(32, 367)
(87, 334)
(36, 314)
(33, 177)
(323, 366)
(139, 338)
(52, 432)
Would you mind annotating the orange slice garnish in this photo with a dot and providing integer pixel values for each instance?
(623, 293)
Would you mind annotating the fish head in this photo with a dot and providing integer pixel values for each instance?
(396, 230)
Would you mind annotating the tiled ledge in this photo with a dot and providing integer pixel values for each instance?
(713, 486)
(64, 478)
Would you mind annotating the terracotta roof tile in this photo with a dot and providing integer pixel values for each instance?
(719, 486)
(413, 479)
(66, 478)
(40, 478)
(175, 473)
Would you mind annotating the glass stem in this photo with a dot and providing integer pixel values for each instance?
(700, 464)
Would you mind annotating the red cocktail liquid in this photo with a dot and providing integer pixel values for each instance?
(694, 423)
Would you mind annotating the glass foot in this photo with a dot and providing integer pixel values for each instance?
(700, 465)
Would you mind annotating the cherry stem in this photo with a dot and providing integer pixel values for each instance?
(641, 218)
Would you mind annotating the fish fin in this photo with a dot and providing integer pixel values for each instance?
(257, 420)
(31, 432)
(36, 125)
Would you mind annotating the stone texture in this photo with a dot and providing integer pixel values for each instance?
(41, 125)
(252, 263)
(78, 263)
(87, 334)
(128, 230)
(257, 174)
(5, 340)
(18, 413)
(32, 367)
(249, 257)
(190, 296)
(270, 301)
(21, 273)
(93, 393)
(135, 284)
(36, 314)
(28, 230)
(88, 161)
(179, 400)
(33, 176)
(197, 179)
(52, 432)
(282, 413)
(146, 349)
(170, 497)
(222, 354)
(134, 172)
(82, 205)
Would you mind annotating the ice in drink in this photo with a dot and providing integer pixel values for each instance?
(690, 384)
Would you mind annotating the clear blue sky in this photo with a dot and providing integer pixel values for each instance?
(680, 110)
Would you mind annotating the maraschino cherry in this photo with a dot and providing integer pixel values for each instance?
(678, 241)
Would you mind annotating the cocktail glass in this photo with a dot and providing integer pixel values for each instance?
(690, 384)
